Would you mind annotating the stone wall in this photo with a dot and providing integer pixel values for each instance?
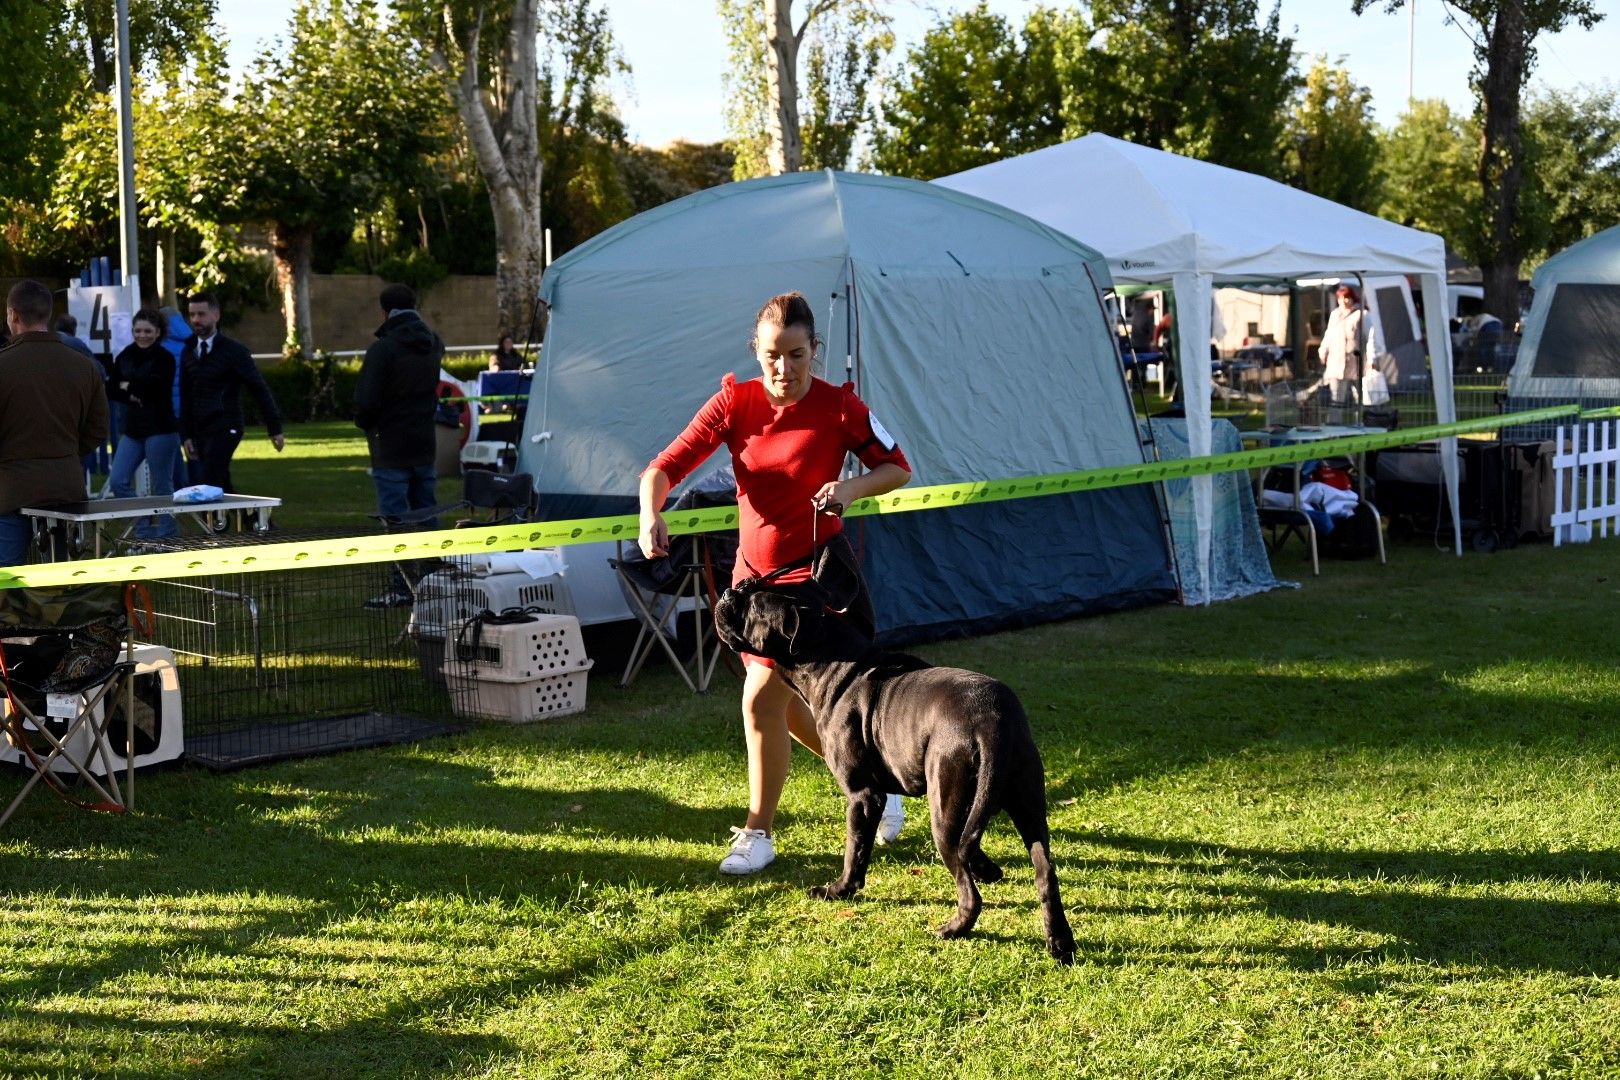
(461, 308)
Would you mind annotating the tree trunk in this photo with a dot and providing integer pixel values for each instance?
(101, 61)
(785, 153)
(168, 285)
(293, 247)
(1500, 169)
(504, 132)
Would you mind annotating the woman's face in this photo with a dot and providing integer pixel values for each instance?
(145, 333)
(785, 354)
(1346, 300)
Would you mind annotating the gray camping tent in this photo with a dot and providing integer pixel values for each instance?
(978, 337)
(1570, 351)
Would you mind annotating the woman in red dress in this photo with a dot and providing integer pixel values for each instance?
(789, 433)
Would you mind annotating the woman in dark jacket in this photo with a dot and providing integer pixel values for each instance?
(506, 357)
(143, 377)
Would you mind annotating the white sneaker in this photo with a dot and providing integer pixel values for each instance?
(751, 852)
(892, 821)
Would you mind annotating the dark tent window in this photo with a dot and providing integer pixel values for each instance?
(1392, 314)
(1581, 339)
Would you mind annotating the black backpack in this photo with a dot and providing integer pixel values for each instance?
(1354, 537)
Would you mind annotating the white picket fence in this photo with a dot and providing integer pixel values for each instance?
(1585, 503)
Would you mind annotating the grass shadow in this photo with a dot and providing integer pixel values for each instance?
(1413, 898)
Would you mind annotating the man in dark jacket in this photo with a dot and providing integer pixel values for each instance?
(394, 402)
(213, 370)
(53, 411)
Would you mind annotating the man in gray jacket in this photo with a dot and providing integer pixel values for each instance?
(394, 403)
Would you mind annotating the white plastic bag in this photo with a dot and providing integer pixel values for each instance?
(1374, 388)
(199, 493)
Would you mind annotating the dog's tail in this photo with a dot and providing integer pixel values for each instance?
(984, 804)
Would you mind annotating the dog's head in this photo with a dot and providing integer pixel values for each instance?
(784, 623)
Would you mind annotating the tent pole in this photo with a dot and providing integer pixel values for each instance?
(1433, 286)
(1161, 499)
(1192, 297)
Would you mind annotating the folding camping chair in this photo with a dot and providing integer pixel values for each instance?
(66, 660)
(658, 590)
(1281, 522)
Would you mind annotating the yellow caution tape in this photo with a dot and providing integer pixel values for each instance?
(447, 543)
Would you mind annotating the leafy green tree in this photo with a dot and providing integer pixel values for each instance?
(1206, 78)
(842, 63)
(340, 120)
(1333, 144)
(487, 56)
(972, 92)
(35, 88)
(1572, 169)
(843, 40)
(1430, 158)
(653, 177)
(60, 56)
(187, 163)
(581, 133)
(160, 31)
(1504, 34)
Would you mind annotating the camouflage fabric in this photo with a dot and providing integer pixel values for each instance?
(39, 611)
(89, 619)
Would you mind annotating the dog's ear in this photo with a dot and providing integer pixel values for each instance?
(788, 623)
(803, 628)
(730, 614)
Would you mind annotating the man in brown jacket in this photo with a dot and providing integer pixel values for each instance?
(53, 411)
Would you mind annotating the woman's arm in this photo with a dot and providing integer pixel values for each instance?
(654, 536)
(880, 481)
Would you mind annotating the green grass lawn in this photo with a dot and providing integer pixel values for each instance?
(1365, 828)
(320, 477)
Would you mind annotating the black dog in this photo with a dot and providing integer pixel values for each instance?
(891, 722)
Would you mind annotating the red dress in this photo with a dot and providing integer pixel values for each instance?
(782, 455)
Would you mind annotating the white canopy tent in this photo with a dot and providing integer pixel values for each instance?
(1159, 218)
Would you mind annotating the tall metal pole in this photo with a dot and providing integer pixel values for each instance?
(1411, 45)
(128, 251)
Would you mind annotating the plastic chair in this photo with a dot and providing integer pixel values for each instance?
(66, 658)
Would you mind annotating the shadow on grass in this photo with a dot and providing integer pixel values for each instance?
(1195, 716)
(1408, 897)
(318, 878)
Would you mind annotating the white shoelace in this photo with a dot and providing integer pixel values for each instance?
(745, 839)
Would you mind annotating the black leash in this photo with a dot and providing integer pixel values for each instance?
(474, 626)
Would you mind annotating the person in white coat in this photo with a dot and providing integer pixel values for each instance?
(1341, 351)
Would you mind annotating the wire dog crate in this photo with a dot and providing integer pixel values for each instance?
(292, 663)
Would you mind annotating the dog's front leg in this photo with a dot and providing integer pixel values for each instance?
(860, 830)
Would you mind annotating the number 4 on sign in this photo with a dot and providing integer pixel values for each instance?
(100, 328)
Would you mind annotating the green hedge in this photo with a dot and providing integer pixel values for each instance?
(322, 388)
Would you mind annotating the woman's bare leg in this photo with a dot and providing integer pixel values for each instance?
(771, 714)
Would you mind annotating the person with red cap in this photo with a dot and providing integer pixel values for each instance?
(1341, 351)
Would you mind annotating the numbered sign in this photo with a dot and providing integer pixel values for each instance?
(95, 307)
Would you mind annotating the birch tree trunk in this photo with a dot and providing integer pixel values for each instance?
(785, 152)
(502, 127)
(293, 247)
(167, 278)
